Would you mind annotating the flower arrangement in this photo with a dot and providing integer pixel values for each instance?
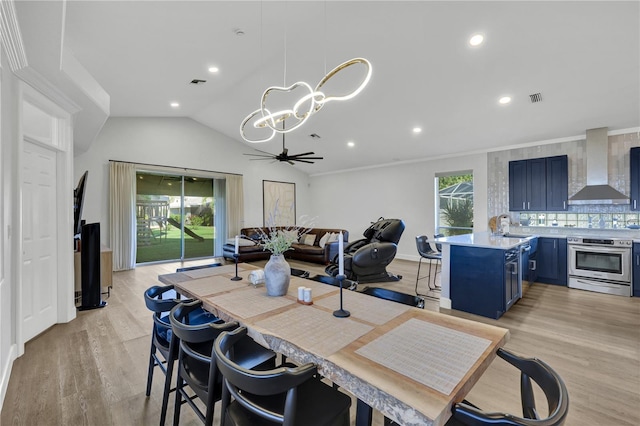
(278, 239)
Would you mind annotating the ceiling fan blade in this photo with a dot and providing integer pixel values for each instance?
(261, 155)
(289, 161)
(303, 154)
(264, 152)
(258, 159)
(304, 161)
(310, 158)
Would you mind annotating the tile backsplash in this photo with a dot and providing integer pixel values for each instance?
(577, 216)
(580, 220)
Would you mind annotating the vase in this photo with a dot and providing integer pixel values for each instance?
(277, 274)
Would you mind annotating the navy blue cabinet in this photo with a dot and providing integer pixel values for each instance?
(552, 260)
(636, 270)
(539, 184)
(557, 182)
(527, 185)
(518, 185)
(478, 281)
(635, 178)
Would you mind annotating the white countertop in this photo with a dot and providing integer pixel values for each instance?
(484, 240)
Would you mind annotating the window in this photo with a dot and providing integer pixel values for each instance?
(175, 216)
(454, 203)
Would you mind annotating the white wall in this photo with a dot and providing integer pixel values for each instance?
(178, 142)
(8, 189)
(351, 200)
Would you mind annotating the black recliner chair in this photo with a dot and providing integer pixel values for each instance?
(365, 260)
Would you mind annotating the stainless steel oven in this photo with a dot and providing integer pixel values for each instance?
(600, 264)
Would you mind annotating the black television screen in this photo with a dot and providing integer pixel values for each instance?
(78, 199)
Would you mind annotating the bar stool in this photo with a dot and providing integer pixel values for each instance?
(197, 369)
(427, 252)
(164, 349)
(286, 395)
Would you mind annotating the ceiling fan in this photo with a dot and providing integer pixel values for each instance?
(305, 157)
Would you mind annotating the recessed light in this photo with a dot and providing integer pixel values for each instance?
(504, 100)
(351, 144)
(214, 69)
(417, 130)
(476, 40)
(174, 105)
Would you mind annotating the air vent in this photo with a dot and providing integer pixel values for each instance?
(197, 81)
(314, 136)
(536, 97)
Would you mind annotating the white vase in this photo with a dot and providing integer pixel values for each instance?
(277, 274)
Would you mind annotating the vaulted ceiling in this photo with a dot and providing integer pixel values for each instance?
(581, 57)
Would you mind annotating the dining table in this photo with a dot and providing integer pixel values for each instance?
(410, 364)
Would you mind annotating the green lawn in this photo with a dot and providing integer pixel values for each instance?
(167, 247)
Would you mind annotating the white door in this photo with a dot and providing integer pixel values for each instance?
(39, 258)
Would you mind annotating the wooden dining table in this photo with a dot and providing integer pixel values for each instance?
(410, 364)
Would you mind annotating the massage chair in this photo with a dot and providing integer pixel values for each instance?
(365, 260)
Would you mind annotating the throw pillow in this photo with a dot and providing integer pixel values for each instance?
(291, 233)
(324, 239)
(309, 239)
(334, 237)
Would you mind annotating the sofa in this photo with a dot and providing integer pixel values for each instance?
(249, 247)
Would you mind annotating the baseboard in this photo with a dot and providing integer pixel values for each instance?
(6, 374)
(445, 302)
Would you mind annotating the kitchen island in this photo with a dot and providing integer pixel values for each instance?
(481, 272)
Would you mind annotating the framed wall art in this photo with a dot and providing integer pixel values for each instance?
(279, 203)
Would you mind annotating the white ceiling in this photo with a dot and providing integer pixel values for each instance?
(583, 57)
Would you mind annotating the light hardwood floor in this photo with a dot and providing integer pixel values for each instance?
(92, 371)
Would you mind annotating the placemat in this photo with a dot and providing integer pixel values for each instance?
(317, 289)
(212, 285)
(315, 330)
(364, 307)
(217, 270)
(249, 302)
(433, 355)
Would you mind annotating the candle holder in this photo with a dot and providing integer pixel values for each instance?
(236, 278)
(341, 313)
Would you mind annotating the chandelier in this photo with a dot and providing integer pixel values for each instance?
(308, 104)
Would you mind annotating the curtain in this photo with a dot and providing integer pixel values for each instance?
(122, 209)
(235, 205)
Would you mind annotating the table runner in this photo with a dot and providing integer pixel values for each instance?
(318, 289)
(249, 302)
(433, 355)
(216, 270)
(364, 307)
(208, 286)
(315, 330)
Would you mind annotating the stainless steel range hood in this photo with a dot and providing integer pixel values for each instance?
(598, 190)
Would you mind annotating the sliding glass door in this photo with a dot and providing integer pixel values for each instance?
(176, 217)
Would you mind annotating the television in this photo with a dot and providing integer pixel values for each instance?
(78, 200)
